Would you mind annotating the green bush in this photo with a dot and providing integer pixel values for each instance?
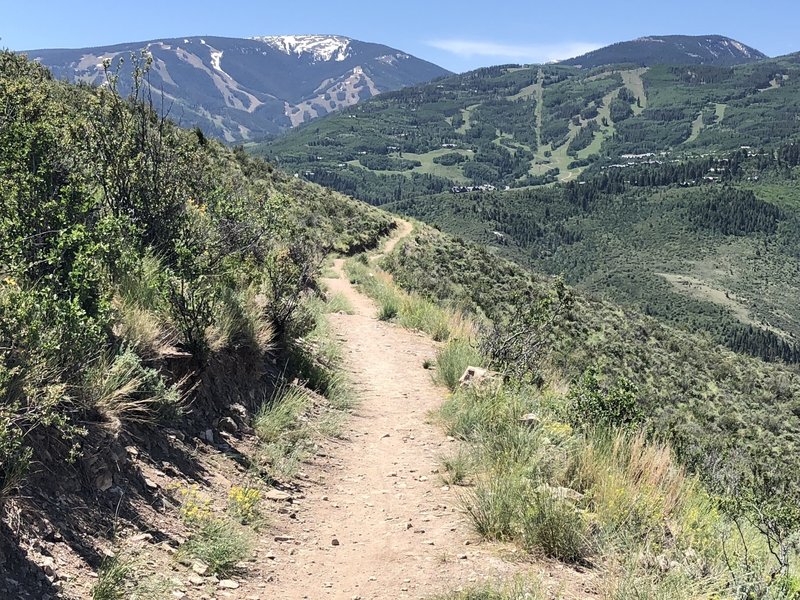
(595, 407)
(220, 544)
(556, 528)
(453, 360)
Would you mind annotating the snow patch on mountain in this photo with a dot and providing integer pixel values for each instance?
(391, 59)
(320, 47)
(216, 58)
(740, 47)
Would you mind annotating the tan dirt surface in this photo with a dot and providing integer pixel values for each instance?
(377, 521)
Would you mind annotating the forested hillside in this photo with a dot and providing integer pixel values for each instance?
(669, 188)
(526, 126)
(671, 50)
(716, 256)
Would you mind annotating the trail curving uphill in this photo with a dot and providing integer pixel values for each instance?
(377, 521)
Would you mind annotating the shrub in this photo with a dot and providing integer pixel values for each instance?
(243, 503)
(195, 508)
(453, 360)
(218, 544)
(555, 527)
(593, 406)
(288, 273)
(111, 579)
(450, 159)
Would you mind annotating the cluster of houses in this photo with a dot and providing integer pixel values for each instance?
(463, 189)
(632, 163)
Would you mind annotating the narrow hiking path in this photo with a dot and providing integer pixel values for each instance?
(375, 520)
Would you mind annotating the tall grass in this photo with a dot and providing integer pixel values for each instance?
(144, 330)
(220, 544)
(239, 320)
(557, 528)
(495, 503)
(604, 495)
(291, 417)
(111, 579)
(279, 418)
(125, 577)
(457, 467)
(338, 303)
(123, 390)
(143, 314)
(517, 589)
(453, 359)
(408, 309)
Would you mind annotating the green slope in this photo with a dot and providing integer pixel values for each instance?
(654, 139)
(721, 258)
(521, 124)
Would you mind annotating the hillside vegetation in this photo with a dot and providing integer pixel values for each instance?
(712, 256)
(565, 452)
(669, 188)
(150, 280)
(714, 50)
(525, 126)
(719, 410)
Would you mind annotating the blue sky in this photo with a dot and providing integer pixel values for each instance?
(459, 35)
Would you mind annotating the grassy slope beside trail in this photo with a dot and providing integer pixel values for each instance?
(714, 406)
(574, 481)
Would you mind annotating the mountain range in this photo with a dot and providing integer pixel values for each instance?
(242, 89)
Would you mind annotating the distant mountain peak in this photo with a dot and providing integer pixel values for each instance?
(319, 47)
(672, 49)
(243, 89)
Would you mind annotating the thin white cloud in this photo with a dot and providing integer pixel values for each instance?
(534, 53)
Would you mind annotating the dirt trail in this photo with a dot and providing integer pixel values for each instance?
(397, 528)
